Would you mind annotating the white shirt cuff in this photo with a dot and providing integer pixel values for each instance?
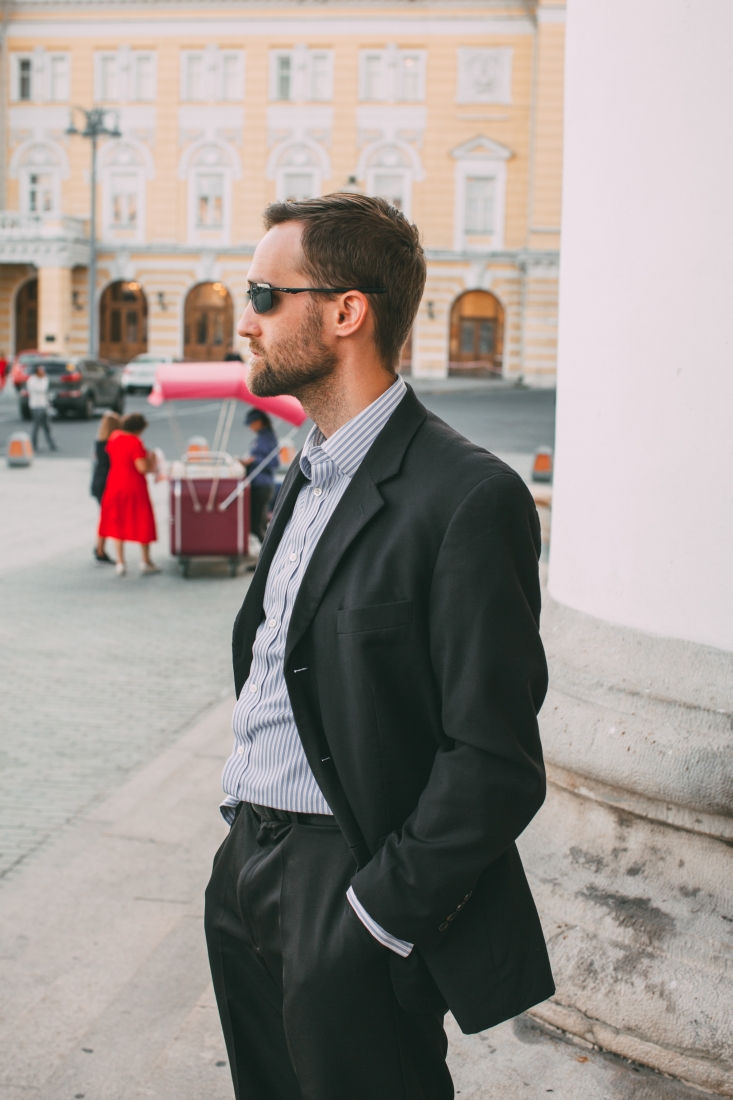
(400, 947)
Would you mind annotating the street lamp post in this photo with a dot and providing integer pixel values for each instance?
(94, 127)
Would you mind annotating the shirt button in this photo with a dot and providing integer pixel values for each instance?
(317, 491)
(293, 557)
(240, 750)
(253, 688)
(272, 623)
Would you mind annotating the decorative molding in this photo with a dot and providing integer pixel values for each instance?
(197, 123)
(296, 122)
(381, 27)
(484, 75)
(396, 122)
(53, 241)
(482, 148)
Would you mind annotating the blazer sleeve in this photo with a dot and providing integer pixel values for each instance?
(488, 779)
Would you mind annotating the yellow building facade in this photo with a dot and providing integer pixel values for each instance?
(452, 110)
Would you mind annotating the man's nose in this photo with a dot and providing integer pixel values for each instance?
(248, 323)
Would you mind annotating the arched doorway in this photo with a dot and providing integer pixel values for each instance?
(123, 322)
(208, 319)
(26, 317)
(476, 334)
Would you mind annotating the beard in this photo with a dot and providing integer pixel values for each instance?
(295, 364)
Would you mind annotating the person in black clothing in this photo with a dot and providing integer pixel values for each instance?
(109, 423)
(232, 356)
(264, 482)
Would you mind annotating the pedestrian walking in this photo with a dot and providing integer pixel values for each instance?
(389, 671)
(127, 514)
(263, 483)
(39, 404)
(3, 370)
(109, 423)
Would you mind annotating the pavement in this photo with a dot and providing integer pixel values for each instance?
(116, 704)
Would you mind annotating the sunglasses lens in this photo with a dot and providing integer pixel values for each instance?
(261, 298)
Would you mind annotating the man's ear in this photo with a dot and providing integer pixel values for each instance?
(353, 313)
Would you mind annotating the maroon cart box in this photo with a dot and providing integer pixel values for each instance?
(199, 526)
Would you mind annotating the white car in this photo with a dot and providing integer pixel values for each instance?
(139, 374)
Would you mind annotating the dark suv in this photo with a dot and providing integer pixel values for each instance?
(77, 385)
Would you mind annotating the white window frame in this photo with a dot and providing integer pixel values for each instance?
(301, 75)
(125, 63)
(392, 60)
(15, 63)
(215, 235)
(386, 170)
(212, 61)
(24, 175)
(503, 55)
(281, 188)
(492, 168)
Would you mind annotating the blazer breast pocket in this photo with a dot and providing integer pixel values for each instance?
(379, 616)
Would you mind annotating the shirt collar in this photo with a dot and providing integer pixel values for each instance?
(347, 447)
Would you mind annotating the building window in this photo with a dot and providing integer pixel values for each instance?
(194, 81)
(479, 205)
(59, 79)
(411, 77)
(389, 175)
(283, 79)
(123, 190)
(320, 76)
(212, 75)
(125, 76)
(373, 80)
(108, 77)
(392, 75)
(209, 200)
(25, 83)
(230, 77)
(40, 193)
(301, 75)
(144, 83)
(298, 186)
(484, 76)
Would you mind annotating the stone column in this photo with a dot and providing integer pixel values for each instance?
(54, 309)
(632, 857)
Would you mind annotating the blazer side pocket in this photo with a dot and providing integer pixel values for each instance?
(380, 616)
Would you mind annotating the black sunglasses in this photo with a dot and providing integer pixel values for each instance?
(260, 294)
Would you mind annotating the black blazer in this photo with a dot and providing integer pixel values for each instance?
(415, 671)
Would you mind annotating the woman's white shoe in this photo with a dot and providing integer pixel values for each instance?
(120, 569)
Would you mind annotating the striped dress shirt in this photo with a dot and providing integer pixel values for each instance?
(268, 765)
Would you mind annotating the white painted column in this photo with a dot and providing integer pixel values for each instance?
(631, 858)
(643, 508)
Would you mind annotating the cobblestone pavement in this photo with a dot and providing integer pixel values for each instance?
(97, 673)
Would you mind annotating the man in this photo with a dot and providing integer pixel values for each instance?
(389, 671)
(38, 403)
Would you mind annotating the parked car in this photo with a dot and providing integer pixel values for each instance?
(20, 370)
(139, 374)
(77, 386)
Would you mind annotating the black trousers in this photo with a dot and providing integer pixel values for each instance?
(312, 1006)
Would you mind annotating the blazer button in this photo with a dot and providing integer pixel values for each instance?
(460, 906)
(468, 895)
(452, 916)
(442, 927)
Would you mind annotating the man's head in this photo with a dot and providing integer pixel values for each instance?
(342, 240)
(38, 370)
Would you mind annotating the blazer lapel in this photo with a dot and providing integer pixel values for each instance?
(361, 501)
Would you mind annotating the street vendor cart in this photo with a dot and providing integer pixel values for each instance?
(209, 489)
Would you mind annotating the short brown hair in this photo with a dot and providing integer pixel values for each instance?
(356, 240)
(134, 423)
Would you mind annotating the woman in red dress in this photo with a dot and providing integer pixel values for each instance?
(127, 514)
